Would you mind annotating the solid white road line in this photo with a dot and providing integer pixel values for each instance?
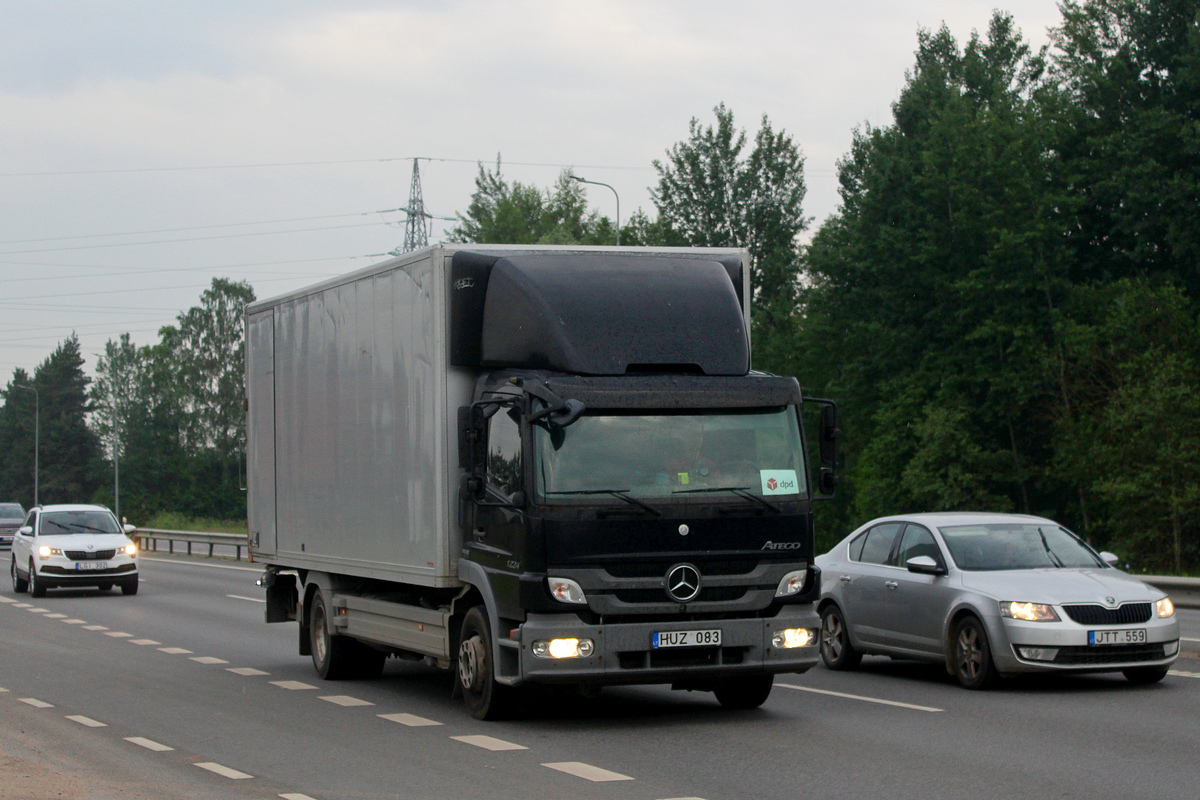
(293, 685)
(149, 744)
(488, 742)
(223, 770)
(860, 697)
(411, 720)
(1188, 639)
(251, 599)
(345, 700)
(202, 564)
(87, 721)
(587, 771)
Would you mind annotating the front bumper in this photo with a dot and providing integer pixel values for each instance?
(1065, 647)
(623, 654)
(57, 571)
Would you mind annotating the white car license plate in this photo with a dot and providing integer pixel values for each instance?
(85, 565)
(705, 638)
(1131, 636)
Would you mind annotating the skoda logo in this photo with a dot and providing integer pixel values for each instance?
(91, 547)
(1112, 601)
(683, 583)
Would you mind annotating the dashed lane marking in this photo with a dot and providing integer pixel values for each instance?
(95, 628)
(56, 616)
(293, 685)
(143, 642)
(221, 769)
(33, 701)
(75, 621)
(251, 599)
(488, 743)
(119, 634)
(296, 796)
(1188, 639)
(149, 744)
(86, 721)
(174, 651)
(23, 605)
(3, 690)
(7, 600)
(38, 610)
(587, 771)
(878, 700)
(411, 720)
(246, 671)
(1184, 674)
(208, 660)
(345, 700)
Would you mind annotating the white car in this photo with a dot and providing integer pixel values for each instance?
(73, 545)
(990, 595)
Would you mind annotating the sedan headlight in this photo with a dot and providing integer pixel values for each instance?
(1165, 607)
(130, 550)
(46, 552)
(1029, 612)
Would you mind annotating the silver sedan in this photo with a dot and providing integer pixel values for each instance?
(990, 595)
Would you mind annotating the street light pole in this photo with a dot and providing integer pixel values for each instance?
(37, 427)
(614, 191)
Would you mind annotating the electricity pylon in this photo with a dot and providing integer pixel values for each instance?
(416, 232)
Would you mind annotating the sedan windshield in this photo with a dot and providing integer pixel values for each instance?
(680, 456)
(54, 523)
(1017, 546)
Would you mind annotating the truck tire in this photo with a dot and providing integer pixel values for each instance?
(484, 698)
(332, 655)
(19, 583)
(743, 693)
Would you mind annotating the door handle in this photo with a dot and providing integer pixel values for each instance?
(845, 579)
(891, 584)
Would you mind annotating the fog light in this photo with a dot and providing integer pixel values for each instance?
(1170, 648)
(564, 648)
(792, 637)
(1038, 653)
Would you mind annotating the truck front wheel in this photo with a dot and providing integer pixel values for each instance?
(742, 693)
(338, 657)
(485, 698)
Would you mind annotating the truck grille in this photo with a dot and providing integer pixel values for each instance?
(1127, 614)
(708, 594)
(656, 569)
(94, 555)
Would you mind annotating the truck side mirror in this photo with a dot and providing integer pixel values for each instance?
(828, 433)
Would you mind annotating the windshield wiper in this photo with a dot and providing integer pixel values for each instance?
(621, 493)
(1049, 552)
(740, 491)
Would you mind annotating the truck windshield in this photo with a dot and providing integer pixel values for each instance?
(673, 455)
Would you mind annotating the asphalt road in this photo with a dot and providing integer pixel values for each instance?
(94, 689)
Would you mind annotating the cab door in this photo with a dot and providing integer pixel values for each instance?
(497, 522)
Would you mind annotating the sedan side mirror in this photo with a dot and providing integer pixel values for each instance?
(128, 528)
(26, 530)
(1109, 558)
(924, 565)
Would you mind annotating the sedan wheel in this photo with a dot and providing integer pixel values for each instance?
(836, 650)
(972, 655)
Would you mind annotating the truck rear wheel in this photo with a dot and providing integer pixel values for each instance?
(742, 693)
(484, 698)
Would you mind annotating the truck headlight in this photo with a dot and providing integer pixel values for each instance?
(566, 590)
(564, 648)
(793, 637)
(792, 583)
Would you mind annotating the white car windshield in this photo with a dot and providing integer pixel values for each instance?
(1017, 546)
(54, 523)
(675, 456)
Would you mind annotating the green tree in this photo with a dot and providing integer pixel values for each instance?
(514, 213)
(710, 195)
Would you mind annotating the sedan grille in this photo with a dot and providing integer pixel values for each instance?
(1115, 654)
(1128, 614)
(94, 555)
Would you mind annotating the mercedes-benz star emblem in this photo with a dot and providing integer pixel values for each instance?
(683, 583)
(684, 530)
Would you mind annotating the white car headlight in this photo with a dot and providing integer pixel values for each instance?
(130, 550)
(1029, 612)
(1165, 607)
(46, 552)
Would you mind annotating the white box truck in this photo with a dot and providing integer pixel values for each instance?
(535, 465)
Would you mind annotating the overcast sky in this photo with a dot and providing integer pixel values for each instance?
(148, 146)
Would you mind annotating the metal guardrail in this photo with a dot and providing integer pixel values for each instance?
(153, 536)
(1184, 592)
